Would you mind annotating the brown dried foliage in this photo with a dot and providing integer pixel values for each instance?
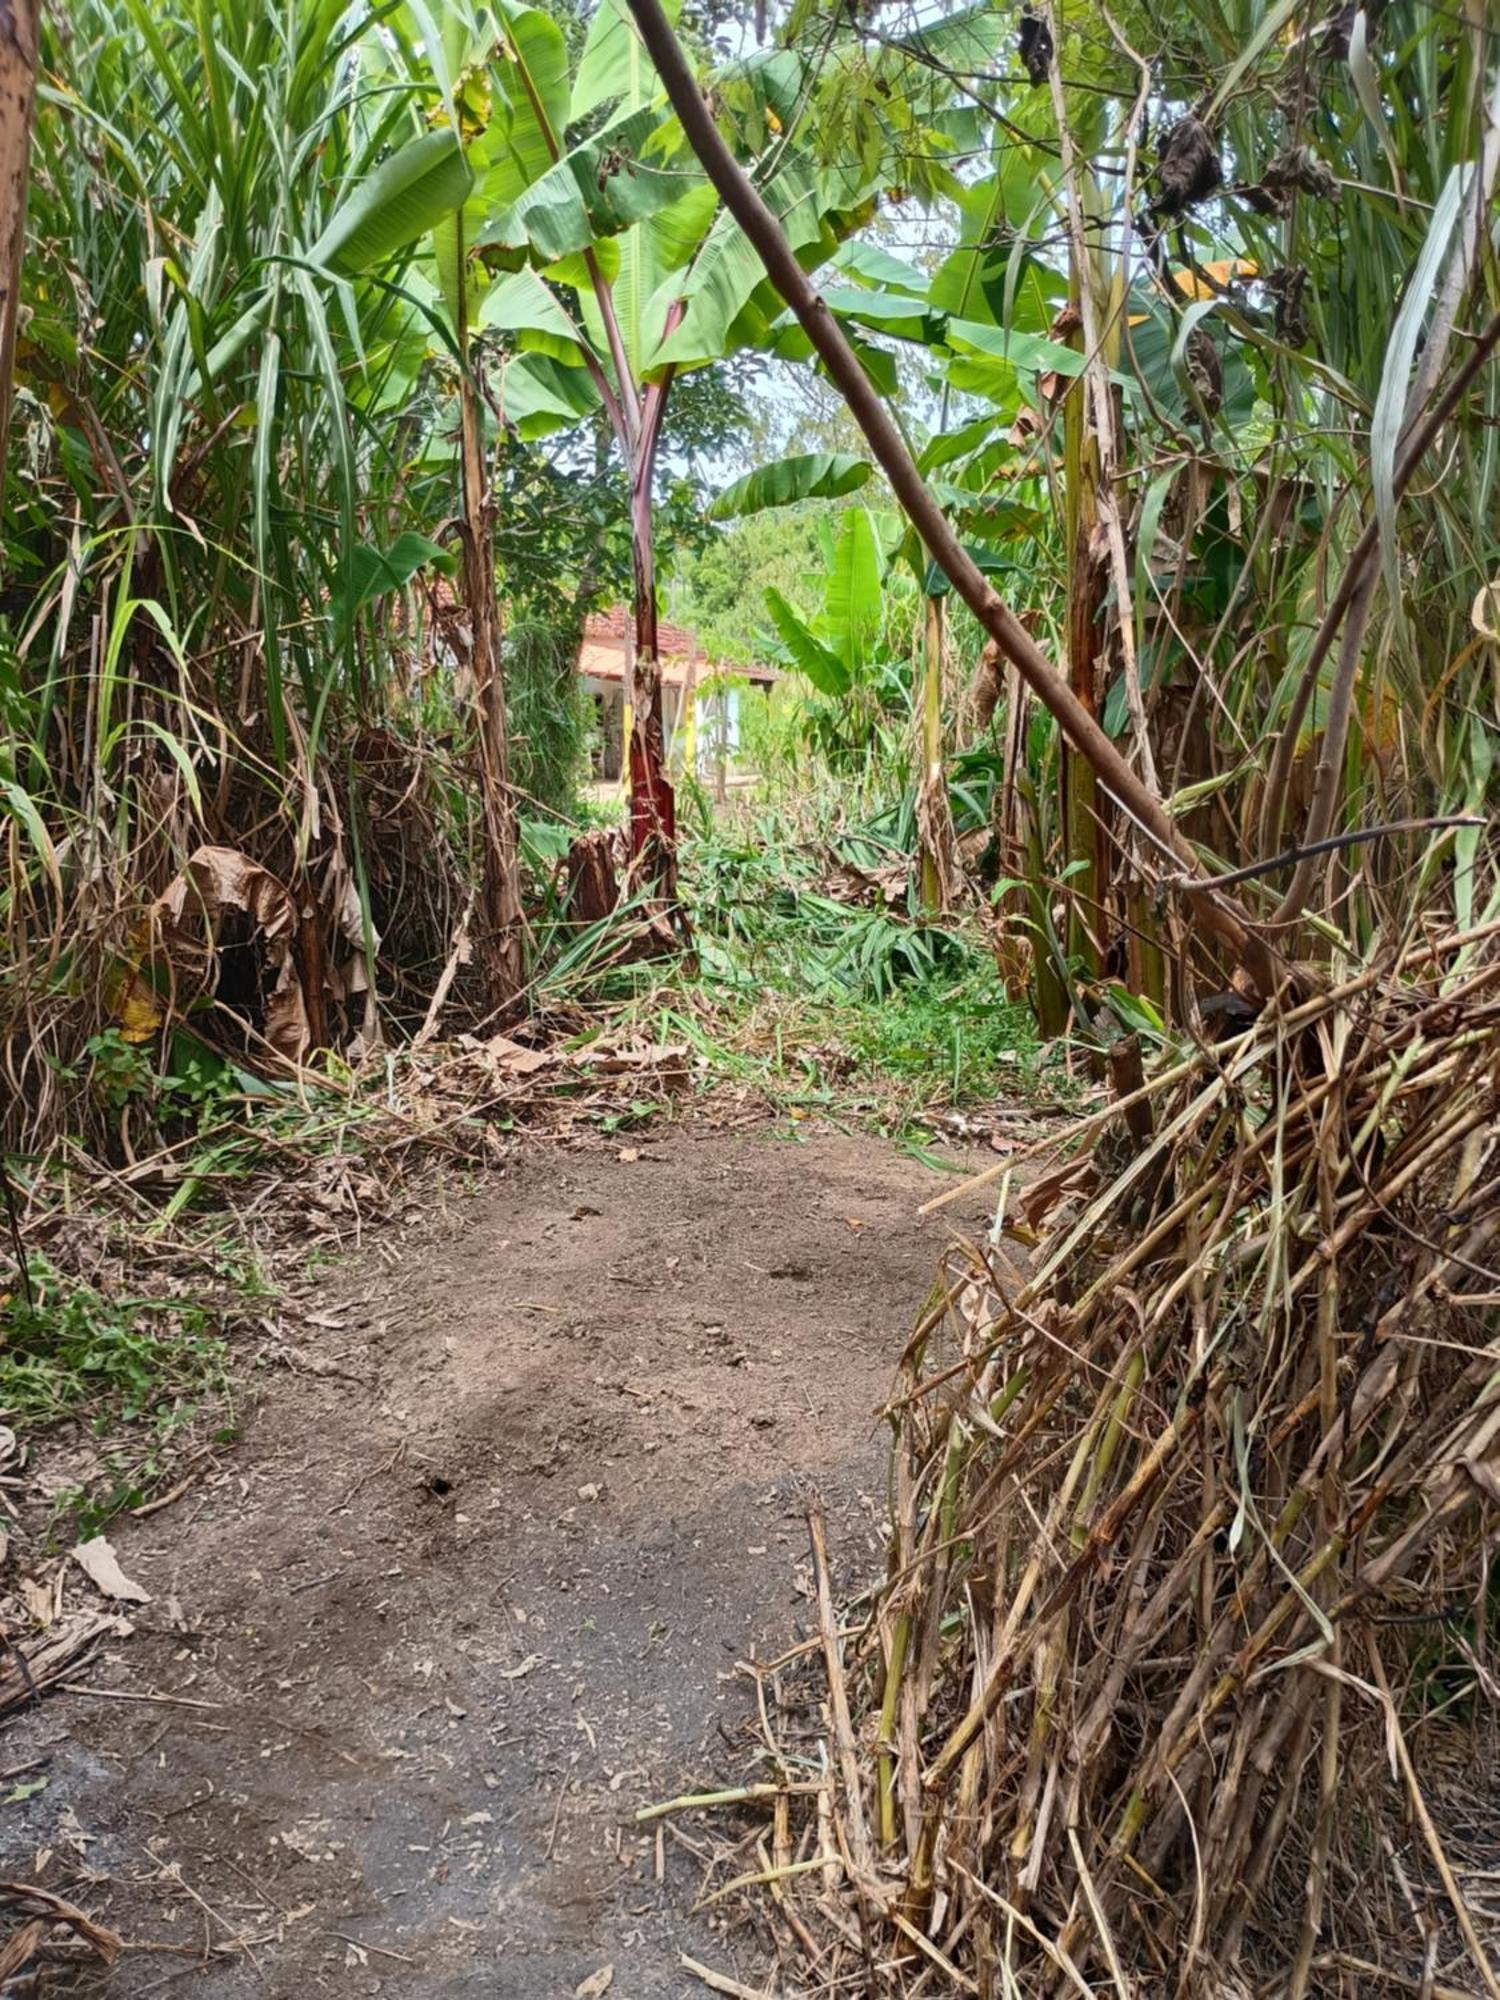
(1190, 1524)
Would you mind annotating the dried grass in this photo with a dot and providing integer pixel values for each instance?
(1183, 1646)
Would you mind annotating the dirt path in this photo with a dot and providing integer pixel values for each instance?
(473, 1586)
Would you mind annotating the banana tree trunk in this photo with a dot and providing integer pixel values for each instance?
(18, 57)
(935, 834)
(653, 804)
(502, 921)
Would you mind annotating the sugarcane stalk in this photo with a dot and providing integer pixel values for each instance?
(885, 1755)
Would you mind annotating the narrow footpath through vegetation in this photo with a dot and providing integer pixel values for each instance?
(472, 1588)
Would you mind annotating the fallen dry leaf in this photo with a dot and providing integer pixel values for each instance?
(101, 1566)
(596, 1984)
(519, 1060)
(217, 879)
(42, 1600)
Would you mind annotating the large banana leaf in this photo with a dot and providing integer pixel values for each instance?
(598, 189)
(614, 64)
(1030, 353)
(852, 605)
(894, 313)
(963, 41)
(520, 115)
(973, 281)
(878, 269)
(818, 475)
(520, 303)
(530, 112)
(642, 266)
(539, 394)
(651, 255)
(822, 666)
(403, 200)
(727, 270)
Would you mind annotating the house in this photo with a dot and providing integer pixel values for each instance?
(699, 729)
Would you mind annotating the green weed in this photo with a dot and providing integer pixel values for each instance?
(75, 1351)
(956, 1043)
(833, 1006)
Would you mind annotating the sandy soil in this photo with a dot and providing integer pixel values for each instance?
(473, 1586)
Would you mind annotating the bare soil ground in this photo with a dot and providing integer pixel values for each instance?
(473, 1586)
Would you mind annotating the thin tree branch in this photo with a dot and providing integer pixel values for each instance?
(1441, 824)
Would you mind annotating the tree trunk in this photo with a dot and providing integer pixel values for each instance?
(653, 807)
(18, 58)
(502, 922)
(937, 865)
(593, 887)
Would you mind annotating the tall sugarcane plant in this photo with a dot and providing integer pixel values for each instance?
(206, 521)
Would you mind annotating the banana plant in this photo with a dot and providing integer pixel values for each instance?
(609, 267)
(858, 677)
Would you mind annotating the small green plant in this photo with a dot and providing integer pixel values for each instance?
(201, 1085)
(958, 1042)
(121, 1072)
(73, 1350)
(198, 1086)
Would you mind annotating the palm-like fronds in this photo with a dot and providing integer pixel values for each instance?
(219, 384)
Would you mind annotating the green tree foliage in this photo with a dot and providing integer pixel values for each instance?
(721, 593)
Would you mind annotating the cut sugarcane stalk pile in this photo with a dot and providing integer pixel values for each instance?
(1190, 1534)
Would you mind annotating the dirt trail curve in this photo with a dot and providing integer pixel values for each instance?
(473, 1586)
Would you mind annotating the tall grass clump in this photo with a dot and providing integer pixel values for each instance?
(211, 636)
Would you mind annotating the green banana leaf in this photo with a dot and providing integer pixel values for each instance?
(818, 475)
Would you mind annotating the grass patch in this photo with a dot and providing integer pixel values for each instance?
(951, 1043)
(139, 1376)
(74, 1351)
(846, 1008)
